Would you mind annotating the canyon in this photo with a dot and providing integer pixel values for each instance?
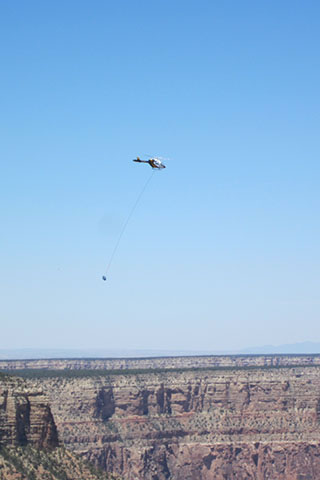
(255, 421)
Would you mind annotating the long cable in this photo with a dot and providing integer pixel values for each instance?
(126, 223)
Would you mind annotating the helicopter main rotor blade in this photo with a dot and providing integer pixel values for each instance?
(157, 157)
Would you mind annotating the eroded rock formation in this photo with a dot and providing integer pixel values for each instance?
(202, 425)
(25, 416)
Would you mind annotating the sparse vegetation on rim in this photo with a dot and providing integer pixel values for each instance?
(29, 463)
(68, 373)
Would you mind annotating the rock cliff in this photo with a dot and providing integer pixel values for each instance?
(231, 361)
(25, 416)
(242, 424)
(29, 441)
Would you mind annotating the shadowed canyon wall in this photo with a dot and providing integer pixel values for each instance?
(25, 416)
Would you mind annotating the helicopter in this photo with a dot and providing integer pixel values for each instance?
(154, 162)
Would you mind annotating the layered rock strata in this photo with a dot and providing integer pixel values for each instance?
(202, 425)
(25, 416)
(230, 361)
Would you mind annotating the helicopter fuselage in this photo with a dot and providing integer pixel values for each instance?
(153, 162)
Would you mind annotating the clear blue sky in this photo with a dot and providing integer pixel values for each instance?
(223, 250)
